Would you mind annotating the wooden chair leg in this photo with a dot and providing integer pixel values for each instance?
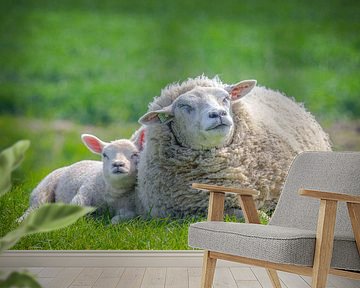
(274, 278)
(354, 212)
(324, 243)
(208, 270)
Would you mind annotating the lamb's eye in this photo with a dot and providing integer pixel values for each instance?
(105, 156)
(186, 107)
(134, 155)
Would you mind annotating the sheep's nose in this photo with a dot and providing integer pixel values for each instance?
(217, 114)
(118, 164)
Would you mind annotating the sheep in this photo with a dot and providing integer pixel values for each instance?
(107, 184)
(205, 131)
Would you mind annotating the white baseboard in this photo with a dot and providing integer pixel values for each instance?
(104, 258)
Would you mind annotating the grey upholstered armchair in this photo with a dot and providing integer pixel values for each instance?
(310, 232)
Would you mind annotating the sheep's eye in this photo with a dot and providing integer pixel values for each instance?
(135, 156)
(105, 156)
(186, 107)
(226, 100)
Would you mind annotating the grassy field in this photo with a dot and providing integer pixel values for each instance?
(96, 232)
(103, 61)
(72, 67)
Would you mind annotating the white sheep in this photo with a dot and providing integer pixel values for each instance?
(107, 184)
(205, 131)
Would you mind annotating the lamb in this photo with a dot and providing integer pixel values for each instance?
(107, 184)
(205, 131)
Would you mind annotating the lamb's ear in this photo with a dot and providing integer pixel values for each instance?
(157, 117)
(240, 89)
(94, 144)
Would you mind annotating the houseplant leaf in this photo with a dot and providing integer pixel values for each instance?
(19, 279)
(44, 219)
(54, 216)
(10, 159)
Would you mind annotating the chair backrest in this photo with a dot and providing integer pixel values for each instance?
(326, 171)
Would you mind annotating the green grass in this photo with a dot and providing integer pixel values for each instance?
(97, 232)
(103, 61)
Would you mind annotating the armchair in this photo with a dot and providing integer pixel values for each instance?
(312, 232)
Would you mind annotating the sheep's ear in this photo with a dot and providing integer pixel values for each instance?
(94, 144)
(157, 117)
(138, 138)
(240, 89)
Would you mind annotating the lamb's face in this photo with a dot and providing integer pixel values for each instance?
(120, 163)
(202, 118)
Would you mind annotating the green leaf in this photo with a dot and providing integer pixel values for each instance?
(10, 159)
(54, 216)
(17, 279)
(44, 219)
(11, 238)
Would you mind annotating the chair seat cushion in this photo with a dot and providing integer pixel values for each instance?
(270, 243)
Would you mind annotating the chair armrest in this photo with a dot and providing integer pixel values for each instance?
(324, 195)
(352, 202)
(327, 220)
(216, 188)
(216, 201)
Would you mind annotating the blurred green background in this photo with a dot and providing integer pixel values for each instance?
(72, 67)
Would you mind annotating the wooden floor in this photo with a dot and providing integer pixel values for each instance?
(143, 270)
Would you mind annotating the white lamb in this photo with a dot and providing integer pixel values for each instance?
(205, 131)
(107, 184)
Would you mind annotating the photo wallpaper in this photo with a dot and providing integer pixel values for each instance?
(127, 103)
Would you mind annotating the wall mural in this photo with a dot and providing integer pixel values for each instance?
(170, 93)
